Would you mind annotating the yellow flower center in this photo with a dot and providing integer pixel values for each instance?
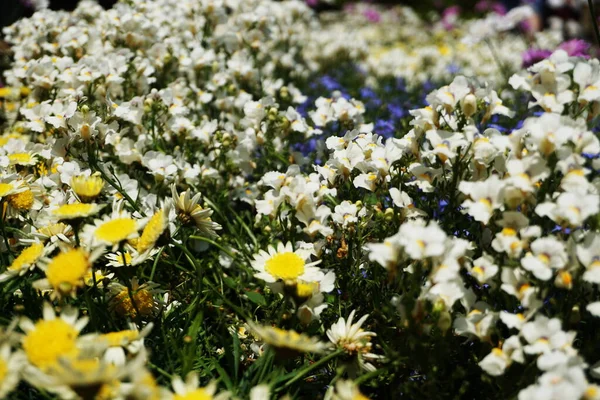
(53, 229)
(5, 188)
(286, 266)
(27, 257)
(67, 270)
(20, 159)
(87, 187)
(306, 289)
(121, 338)
(3, 370)
(509, 232)
(152, 232)
(22, 201)
(75, 210)
(48, 341)
(116, 230)
(143, 300)
(198, 394)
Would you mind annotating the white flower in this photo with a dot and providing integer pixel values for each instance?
(589, 254)
(499, 359)
(547, 254)
(421, 241)
(483, 268)
(570, 209)
(283, 263)
(486, 196)
(478, 322)
(353, 339)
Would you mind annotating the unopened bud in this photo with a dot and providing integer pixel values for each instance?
(469, 105)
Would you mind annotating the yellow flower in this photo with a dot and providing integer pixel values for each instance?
(22, 159)
(27, 258)
(288, 342)
(48, 341)
(111, 230)
(153, 230)
(76, 210)
(66, 271)
(22, 201)
(8, 188)
(87, 187)
(143, 299)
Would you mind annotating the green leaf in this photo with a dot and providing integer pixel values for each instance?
(256, 298)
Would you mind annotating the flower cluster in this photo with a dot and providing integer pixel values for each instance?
(243, 199)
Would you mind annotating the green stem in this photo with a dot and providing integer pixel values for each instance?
(297, 375)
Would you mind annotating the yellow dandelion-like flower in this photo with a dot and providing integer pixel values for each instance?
(87, 188)
(51, 338)
(153, 230)
(76, 210)
(65, 273)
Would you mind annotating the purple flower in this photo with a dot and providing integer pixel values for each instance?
(576, 48)
(372, 15)
(533, 56)
(449, 17)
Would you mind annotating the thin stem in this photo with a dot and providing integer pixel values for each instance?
(299, 374)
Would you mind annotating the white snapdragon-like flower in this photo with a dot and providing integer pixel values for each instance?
(486, 196)
(501, 358)
(547, 254)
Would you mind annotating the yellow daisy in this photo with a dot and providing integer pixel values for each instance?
(112, 230)
(87, 188)
(288, 343)
(24, 262)
(66, 272)
(76, 210)
(50, 338)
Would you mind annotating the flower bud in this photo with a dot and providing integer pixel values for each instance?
(469, 105)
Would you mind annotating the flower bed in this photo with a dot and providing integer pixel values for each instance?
(244, 199)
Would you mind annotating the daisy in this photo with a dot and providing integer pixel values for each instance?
(65, 272)
(76, 210)
(129, 258)
(154, 229)
(190, 390)
(86, 375)
(54, 233)
(24, 262)
(52, 337)
(144, 299)
(353, 339)
(11, 365)
(287, 343)
(112, 230)
(189, 210)
(285, 264)
(11, 187)
(87, 188)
